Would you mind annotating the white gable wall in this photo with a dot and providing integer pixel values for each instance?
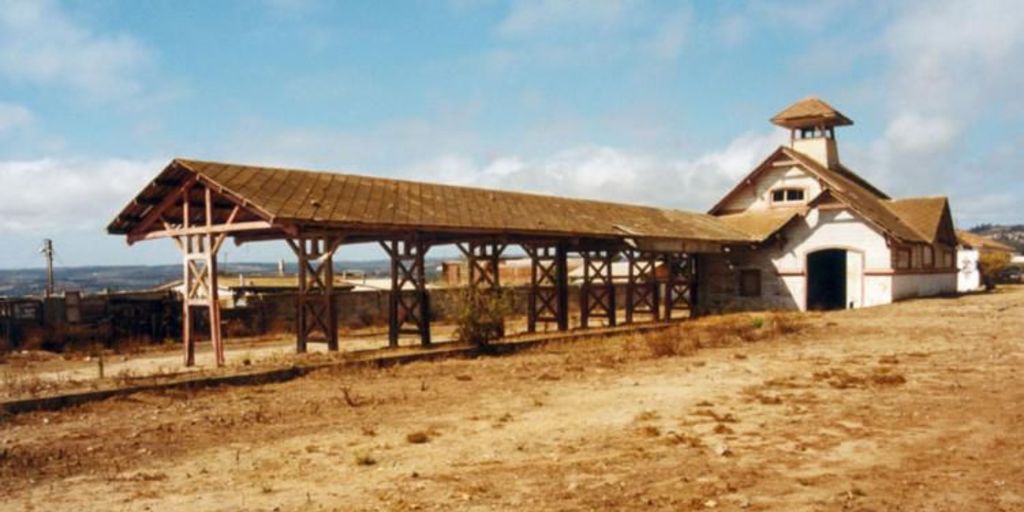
(783, 267)
(868, 257)
(757, 195)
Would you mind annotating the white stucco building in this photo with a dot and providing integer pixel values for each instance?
(828, 239)
(968, 255)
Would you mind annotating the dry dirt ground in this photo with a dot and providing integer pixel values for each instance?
(916, 406)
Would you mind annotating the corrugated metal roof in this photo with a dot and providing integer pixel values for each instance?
(370, 204)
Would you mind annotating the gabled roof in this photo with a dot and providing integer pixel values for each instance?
(924, 220)
(977, 241)
(762, 224)
(362, 204)
(810, 112)
(929, 216)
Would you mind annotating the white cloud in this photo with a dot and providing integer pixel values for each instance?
(608, 173)
(914, 133)
(952, 67)
(68, 194)
(533, 17)
(956, 55)
(561, 33)
(14, 116)
(41, 44)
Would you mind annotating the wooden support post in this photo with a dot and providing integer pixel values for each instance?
(316, 317)
(678, 285)
(408, 306)
(199, 255)
(597, 292)
(642, 287)
(548, 297)
(695, 298)
(562, 287)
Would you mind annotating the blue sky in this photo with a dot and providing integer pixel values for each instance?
(661, 103)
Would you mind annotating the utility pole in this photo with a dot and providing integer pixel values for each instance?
(47, 252)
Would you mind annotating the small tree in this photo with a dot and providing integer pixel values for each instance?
(990, 264)
(480, 315)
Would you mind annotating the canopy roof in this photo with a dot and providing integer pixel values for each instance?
(810, 112)
(361, 208)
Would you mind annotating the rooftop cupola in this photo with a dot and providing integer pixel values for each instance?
(812, 124)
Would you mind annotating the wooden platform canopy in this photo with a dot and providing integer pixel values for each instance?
(200, 204)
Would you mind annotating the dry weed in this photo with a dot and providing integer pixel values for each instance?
(648, 415)
(671, 343)
(365, 458)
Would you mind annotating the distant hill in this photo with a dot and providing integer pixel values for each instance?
(1009, 235)
(22, 282)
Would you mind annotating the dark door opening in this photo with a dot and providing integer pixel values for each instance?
(826, 280)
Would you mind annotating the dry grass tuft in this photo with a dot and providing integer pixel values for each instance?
(650, 431)
(722, 331)
(670, 343)
(648, 415)
(365, 458)
(886, 377)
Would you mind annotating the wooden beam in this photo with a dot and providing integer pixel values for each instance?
(157, 211)
(227, 228)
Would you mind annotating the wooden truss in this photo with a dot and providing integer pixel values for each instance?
(549, 286)
(483, 260)
(408, 309)
(198, 215)
(597, 292)
(316, 316)
(643, 291)
(681, 283)
(193, 231)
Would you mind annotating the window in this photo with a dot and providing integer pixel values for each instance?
(947, 259)
(902, 258)
(750, 282)
(928, 257)
(786, 195)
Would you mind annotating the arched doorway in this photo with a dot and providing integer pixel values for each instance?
(826, 280)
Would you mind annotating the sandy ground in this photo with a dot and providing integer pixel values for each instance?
(916, 406)
(38, 373)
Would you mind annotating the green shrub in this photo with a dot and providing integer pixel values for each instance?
(480, 315)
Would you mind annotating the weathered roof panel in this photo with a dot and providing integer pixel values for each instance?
(761, 224)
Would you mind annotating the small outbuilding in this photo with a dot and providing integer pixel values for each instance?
(970, 248)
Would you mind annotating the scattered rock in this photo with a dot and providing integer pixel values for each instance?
(723, 450)
(418, 437)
